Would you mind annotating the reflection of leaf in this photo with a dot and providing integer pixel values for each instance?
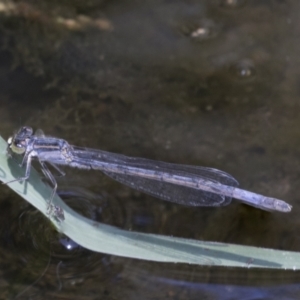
(107, 239)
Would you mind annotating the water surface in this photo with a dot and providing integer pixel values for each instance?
(210, 83)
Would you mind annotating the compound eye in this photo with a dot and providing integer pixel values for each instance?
(18, 148)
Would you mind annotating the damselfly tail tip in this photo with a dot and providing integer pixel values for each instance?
(278, 205)
(286, 207)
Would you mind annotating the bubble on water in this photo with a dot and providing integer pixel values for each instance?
(201, 30)
(243, 69)
(231, 3)
(68, 243)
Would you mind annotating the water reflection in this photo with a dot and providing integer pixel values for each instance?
(171, 281)
(229, 292)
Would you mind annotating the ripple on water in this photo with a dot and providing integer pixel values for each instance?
(37, 254)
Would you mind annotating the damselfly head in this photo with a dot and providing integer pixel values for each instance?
(18, 142)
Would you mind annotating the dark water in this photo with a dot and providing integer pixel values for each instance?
(210, 83)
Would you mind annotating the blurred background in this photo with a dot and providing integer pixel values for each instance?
(212, 83)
